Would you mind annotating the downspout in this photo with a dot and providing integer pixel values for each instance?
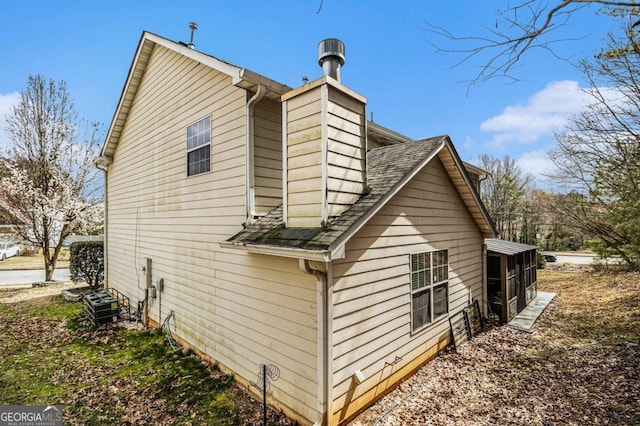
(485, 296)
(324, 135)
(323, 339)
(105, 170)
(481, 179)
(485, 301)
(249, 164)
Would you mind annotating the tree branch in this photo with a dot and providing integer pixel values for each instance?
(526, 25)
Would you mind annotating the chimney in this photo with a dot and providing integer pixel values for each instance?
(331, 57)
(324, 145)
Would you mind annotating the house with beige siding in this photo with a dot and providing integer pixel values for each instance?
(276, 225)
(11, 220)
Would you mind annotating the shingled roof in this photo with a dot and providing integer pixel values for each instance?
(389, 169)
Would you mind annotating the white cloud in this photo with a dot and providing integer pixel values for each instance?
(6, 102)
(543, 112)
(536, 163)
(468, 142)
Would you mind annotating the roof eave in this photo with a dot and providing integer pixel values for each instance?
(241, 78)
(142, 51)
(472, 168)
(387, 136)
(491, 232)
(508, 248)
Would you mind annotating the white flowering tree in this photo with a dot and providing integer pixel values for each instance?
(50, 177)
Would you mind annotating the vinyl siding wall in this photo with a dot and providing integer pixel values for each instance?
(346, 153)
(268, 155)
(239, 309)
(372, 298)
(304, 159)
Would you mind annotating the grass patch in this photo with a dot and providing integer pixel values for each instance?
(595, 307)
(49, 355)
(54, 308)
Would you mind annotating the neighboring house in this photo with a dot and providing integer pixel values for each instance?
(14, 226)
(16, 223)
(8, 220)
(11, 221)
(17, 226)
(80, 238)
(274, 237)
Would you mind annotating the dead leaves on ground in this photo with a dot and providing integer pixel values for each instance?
(580, 366)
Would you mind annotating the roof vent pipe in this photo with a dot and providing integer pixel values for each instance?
(193, 27)
(331, 57)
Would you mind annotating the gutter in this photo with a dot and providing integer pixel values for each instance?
(249, 163)
(322, 297)
(247, 77)
(296, 253)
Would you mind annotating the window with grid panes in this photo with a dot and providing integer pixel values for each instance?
(429, 287)
(199, 147)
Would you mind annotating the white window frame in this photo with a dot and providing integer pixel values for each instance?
(198, 140)
(437, 275)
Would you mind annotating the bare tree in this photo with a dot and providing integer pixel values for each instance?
(520, 27)
(50, 179)
(504, 195)
(598, 153)
(551, 223)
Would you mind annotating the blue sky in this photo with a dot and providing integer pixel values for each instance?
(410, 87)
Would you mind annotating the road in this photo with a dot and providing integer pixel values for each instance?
(30, 276)
(576, 260)
(581, 259)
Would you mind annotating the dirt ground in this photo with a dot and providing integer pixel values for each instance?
(580, 365)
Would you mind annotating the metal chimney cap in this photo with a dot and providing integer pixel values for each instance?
(331, 48)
